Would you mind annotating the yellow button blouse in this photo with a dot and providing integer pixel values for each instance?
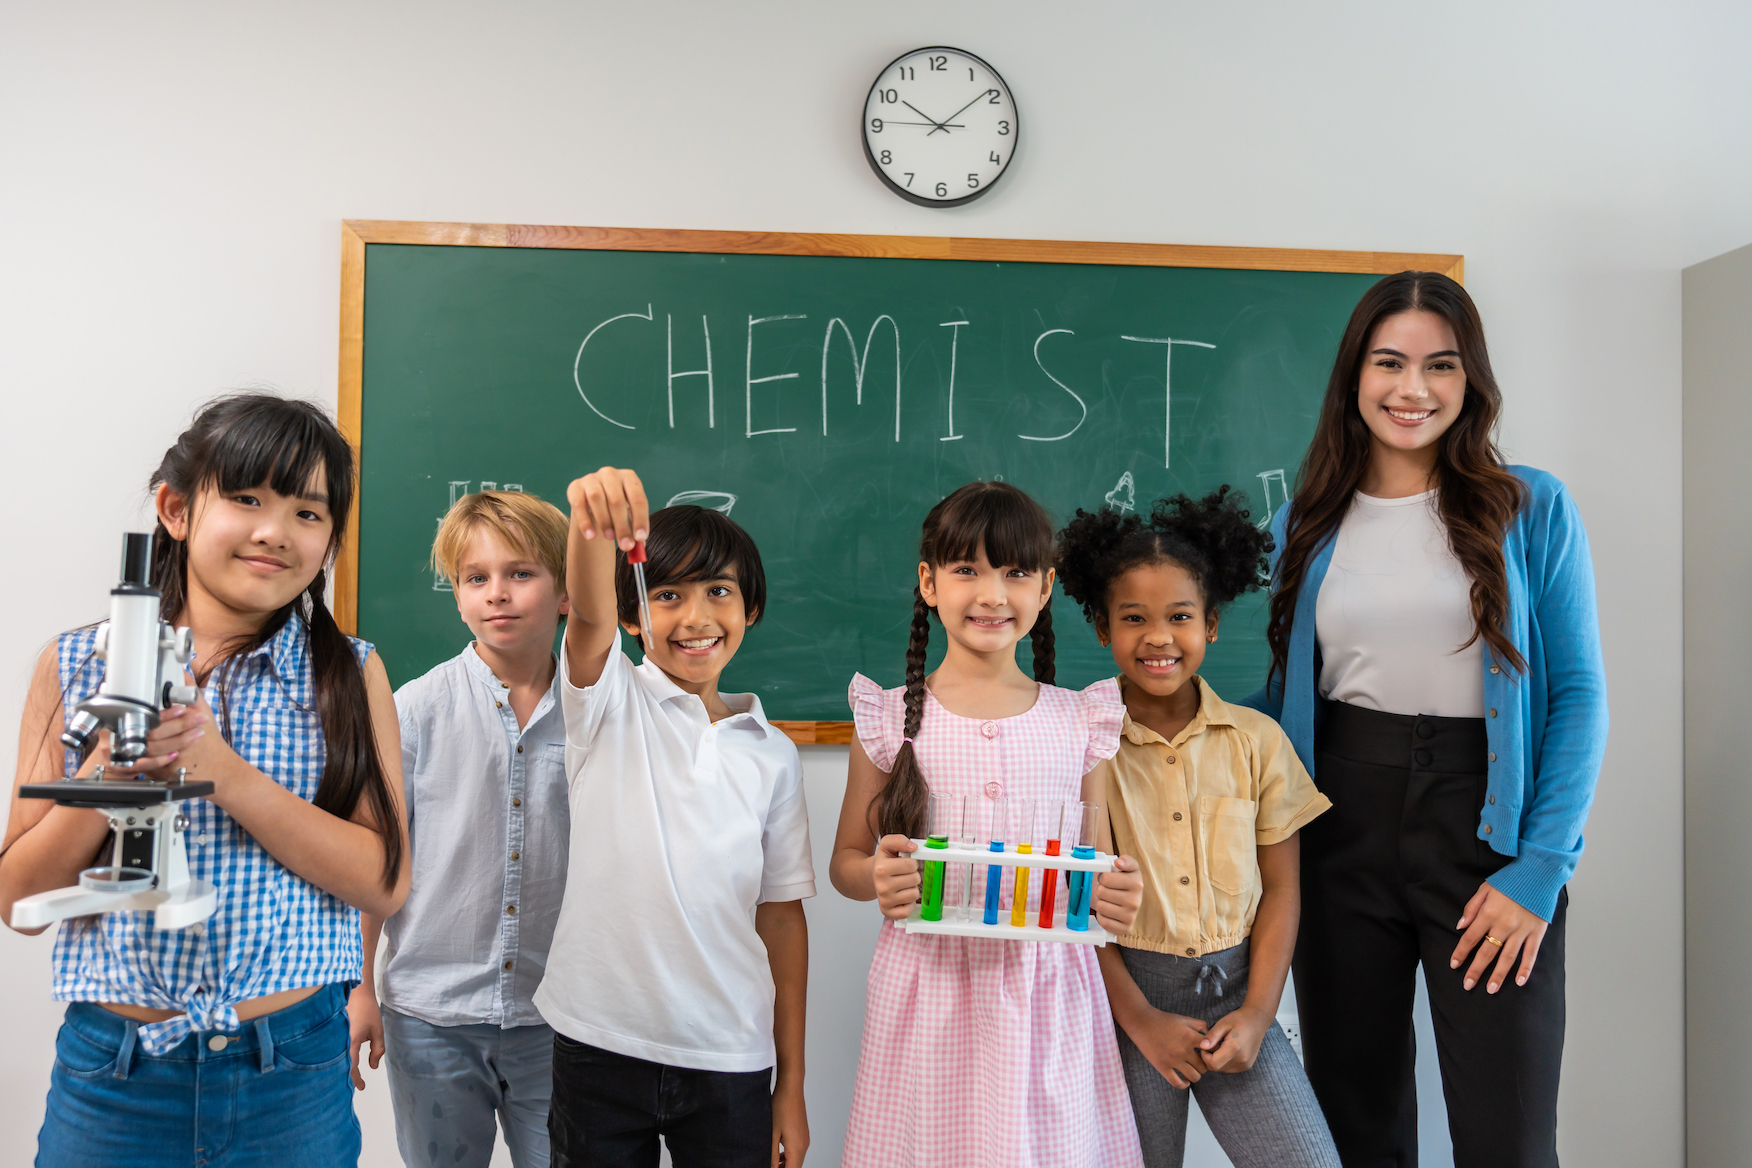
(1192, 811)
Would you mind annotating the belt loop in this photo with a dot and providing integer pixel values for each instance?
(265, 1041)
(125, 1054)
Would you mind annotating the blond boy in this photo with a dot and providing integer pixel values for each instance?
(483, 755)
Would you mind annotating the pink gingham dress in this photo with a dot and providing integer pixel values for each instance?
(986, 1053)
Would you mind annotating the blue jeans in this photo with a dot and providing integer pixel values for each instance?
(277, 1095)
(448, 1082)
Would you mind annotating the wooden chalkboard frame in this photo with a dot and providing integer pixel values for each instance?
(357, 233)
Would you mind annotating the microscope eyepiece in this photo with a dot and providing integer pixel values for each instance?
(137, 558)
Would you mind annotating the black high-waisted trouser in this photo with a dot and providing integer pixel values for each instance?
(1385, 876)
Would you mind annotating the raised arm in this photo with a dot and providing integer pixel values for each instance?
(608, 511)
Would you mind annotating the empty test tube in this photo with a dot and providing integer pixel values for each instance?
(1083, 883)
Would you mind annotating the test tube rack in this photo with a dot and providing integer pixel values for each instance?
(975, 926)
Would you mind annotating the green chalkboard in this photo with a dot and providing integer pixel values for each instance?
(845, 396)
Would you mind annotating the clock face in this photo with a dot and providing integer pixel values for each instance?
(939, 126)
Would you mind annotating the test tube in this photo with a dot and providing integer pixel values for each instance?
(1055, 815)
(1083, 883)
(967, 837)
(1023, 819)
(942, 817)
(995, 872)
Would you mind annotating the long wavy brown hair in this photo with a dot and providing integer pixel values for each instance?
(1477, 495)
(1014, 532)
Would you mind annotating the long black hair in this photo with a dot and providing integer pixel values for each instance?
(1015, 532)
(1476, 494)
(1212, 538)
(247, 440)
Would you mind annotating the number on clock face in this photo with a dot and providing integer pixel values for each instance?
(939, 126)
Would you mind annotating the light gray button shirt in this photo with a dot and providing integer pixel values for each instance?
(489, 827)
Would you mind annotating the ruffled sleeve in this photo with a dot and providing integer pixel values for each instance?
(877, 731)
(1104, 711)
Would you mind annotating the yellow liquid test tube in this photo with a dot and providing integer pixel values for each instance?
(1024, 834)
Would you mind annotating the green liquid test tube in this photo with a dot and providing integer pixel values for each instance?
(931, 875)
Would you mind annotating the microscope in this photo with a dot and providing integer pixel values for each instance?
(148, 870)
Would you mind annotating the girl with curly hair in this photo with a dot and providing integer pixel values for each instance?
(1210, 798)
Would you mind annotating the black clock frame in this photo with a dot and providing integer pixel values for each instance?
(911, 196)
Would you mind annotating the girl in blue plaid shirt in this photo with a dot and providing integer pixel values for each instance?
(226, 1043)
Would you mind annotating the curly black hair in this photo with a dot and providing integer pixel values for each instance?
(1213, 538)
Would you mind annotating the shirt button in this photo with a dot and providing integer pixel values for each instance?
(498, 705)
(1493, 711)
(520, 748)
(1493, 756)
(1494, 669)
(508, 965)
(516, 802)
(1171, 760)
(1186, 880)
(1490, 798)
(993, 790)
(516, 855)
(218, 1042)
(1487, 829)
(989, 729)
(1177, 817)
(512, 909)
(1191, 952)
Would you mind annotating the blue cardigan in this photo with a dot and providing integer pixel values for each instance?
(1547, 730)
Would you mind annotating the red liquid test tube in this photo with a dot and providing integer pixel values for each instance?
(1055, 834)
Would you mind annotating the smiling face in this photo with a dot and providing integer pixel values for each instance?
(1157, 626)
(508, 598)
(253, 550)
(697, 627)
(1412, 385)
(985, 608)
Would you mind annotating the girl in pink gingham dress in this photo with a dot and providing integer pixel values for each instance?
(980, 1052)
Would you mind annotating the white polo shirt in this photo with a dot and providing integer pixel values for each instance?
(680, 826)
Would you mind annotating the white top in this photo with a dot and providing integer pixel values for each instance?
(487, 829)
(1393, 611)
(680, 826)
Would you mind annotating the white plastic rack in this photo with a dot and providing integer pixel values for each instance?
(974, 926)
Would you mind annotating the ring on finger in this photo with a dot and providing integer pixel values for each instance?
(1493, 941)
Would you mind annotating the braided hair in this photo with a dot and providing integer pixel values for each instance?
(1212, 538)
(1013, 531)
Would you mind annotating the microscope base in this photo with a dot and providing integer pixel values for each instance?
(192, 903)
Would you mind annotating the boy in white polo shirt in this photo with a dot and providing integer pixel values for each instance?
(483, 760)
(679, 964)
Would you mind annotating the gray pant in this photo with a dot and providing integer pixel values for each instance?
(1265, 1117)
(447, 1083)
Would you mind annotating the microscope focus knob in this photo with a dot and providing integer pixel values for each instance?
(183, 644)
(180, 695)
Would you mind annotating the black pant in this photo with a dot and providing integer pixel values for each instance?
(1385, 876)
(608, 1110)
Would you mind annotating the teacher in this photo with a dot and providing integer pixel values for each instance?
(1436, 662)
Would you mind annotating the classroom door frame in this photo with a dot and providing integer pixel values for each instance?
(356, 234)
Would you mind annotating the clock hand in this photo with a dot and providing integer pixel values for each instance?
(944, 124)
(948, 125)
(915, 109)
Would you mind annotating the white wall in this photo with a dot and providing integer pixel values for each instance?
(1718, 640)
(175, 174)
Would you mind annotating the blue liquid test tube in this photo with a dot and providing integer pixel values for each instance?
(995, 872)
(1083, 883)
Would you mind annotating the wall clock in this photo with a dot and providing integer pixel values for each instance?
(939, 126)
